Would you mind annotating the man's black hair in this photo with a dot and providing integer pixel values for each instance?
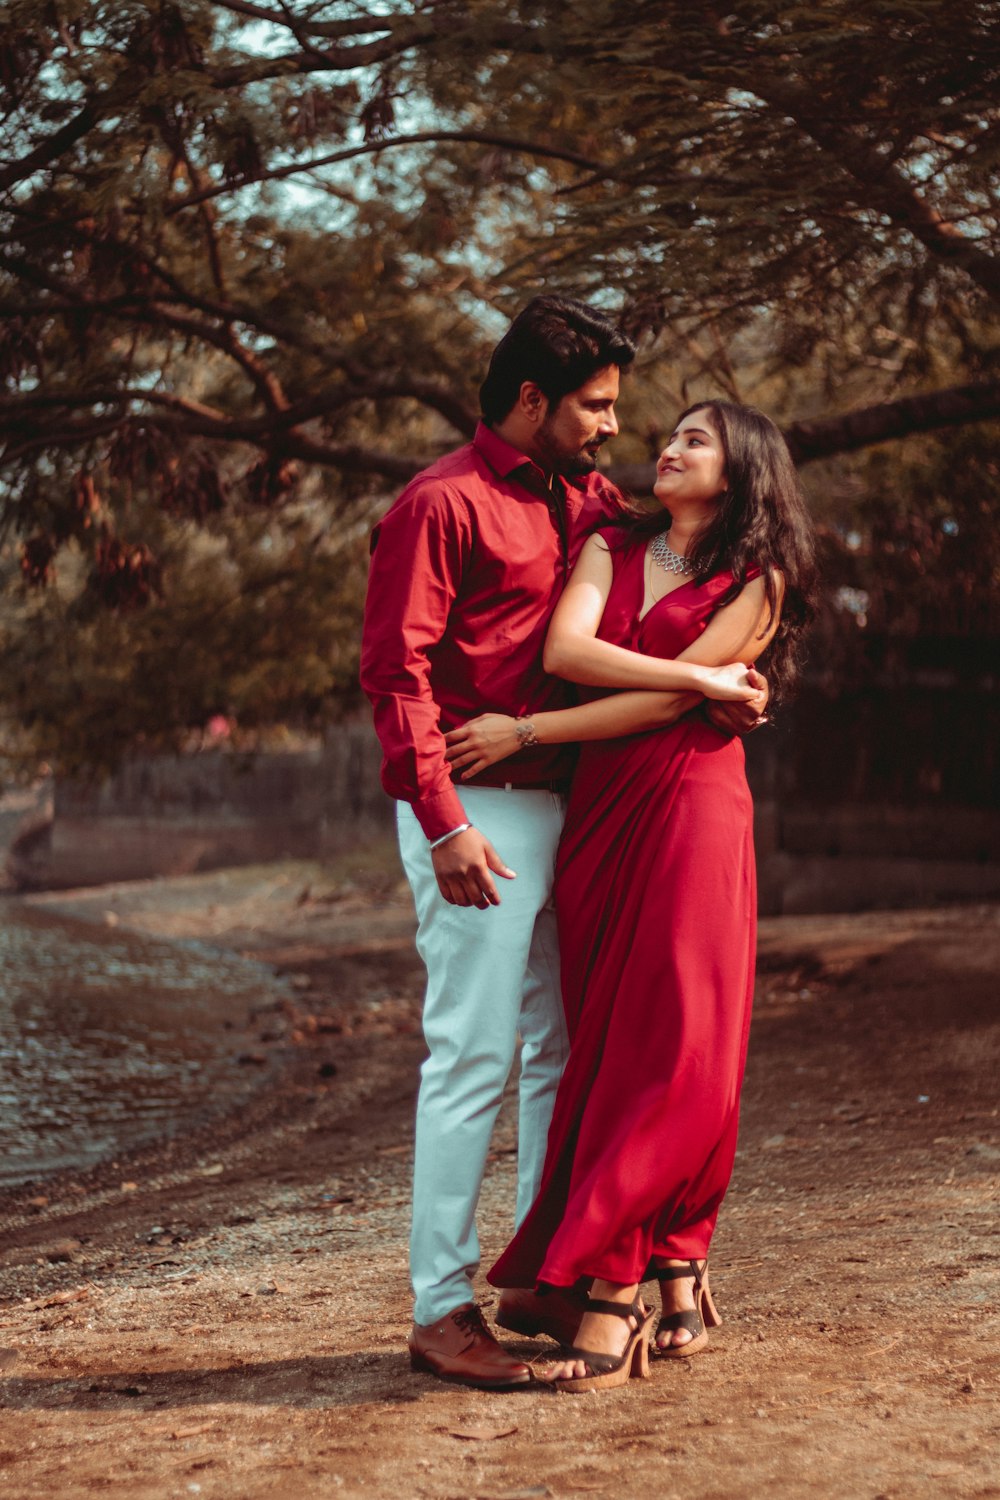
(559, 344)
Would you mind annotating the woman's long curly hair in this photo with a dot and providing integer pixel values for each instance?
(761, 521)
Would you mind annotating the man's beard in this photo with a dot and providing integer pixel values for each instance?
(570, 465)
(582, 463)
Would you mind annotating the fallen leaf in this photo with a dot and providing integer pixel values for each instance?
(480, 1434)
(59, 1299)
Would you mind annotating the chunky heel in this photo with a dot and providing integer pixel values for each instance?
(640, 1359)
(710, 1311)
(605, 1371)
(697, 1320)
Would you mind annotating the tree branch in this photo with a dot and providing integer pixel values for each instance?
(55, 144)
(331, 30)
(265, 381)
(808, 440)
(888, 420)
(881, 423)
(884, 187)
(372, 148)
(155, 314)
(269, 427)
(336, 60)
(189, 419)
(352, 457)
(121, 95)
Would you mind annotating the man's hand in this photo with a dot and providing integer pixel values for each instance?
(463, 866)
(741, 718)
(480, 743)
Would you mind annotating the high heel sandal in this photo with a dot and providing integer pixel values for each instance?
(607, 1370)
(697, 1320)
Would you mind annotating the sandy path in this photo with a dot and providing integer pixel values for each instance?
(232, 1326)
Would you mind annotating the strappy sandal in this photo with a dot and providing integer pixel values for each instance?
(607, 1370)
(697, 1320)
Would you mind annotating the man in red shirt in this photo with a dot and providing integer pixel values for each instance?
(467, 567)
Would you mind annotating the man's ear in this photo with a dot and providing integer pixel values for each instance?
(531, 401)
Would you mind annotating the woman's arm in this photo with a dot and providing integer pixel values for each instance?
(742, 629)
(743, 626)
(481, 742)
(724, 633)
(491, 737)
(573, 651)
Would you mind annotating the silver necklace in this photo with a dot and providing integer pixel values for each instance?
(670, 561)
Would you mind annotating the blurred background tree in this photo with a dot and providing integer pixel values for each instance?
(254, 256)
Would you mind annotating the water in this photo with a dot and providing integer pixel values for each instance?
(109, 1039)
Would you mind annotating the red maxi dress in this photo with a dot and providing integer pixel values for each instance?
(656, 898)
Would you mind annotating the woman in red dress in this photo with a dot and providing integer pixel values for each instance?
(655, 889)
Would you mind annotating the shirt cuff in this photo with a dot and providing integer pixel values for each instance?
(439, 814)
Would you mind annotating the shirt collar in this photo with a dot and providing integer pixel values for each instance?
(504, 459)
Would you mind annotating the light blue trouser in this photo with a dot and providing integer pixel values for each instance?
(491, 975)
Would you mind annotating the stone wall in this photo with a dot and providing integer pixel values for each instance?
(169, 816)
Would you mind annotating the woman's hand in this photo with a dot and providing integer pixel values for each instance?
(731, 683)
(480, 743)
(758, 703)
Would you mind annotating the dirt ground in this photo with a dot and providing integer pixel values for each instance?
(225, 1315)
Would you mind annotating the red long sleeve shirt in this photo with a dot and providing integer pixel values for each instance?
(467, 567)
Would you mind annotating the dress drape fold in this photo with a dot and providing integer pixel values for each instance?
(656, 900)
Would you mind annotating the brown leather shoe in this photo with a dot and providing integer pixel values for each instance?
(557, 1313)
(461, 1348)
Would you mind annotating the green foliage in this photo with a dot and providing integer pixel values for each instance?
(833, 164)
(253, 256)
(926, 521)
(256, 623)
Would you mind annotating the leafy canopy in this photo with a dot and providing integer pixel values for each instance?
(253, 256)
